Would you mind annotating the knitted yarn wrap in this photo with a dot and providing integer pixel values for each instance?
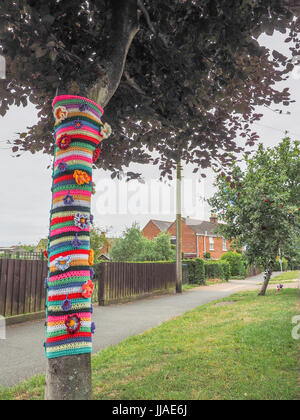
(77, 133)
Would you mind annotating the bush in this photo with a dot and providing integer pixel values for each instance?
(238, 266)
(284, 264)
(214, 270)
(196, 271)
(226, 269)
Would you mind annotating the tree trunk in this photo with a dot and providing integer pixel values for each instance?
(78, 133)
(267, 276)
(178, 232)
(69, 378)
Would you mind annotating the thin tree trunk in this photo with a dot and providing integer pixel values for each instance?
(178, 231)
(267, 276)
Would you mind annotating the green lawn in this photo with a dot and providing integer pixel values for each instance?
(287, 275)
(241, 350)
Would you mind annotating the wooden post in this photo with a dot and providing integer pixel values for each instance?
(178, 232)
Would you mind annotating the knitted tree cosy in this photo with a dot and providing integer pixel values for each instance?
(78, 132)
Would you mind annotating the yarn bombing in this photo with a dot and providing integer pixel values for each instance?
(78, 132)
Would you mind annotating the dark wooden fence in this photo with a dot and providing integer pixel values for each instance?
(121, 282)
(22, 286)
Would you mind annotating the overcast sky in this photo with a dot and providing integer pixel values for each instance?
(25, 182)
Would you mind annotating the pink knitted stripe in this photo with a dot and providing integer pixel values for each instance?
(73, 157)
(81, 273)
(67, 129)
(73, 192)
(63, 318)
(67, 229)
(67, 97)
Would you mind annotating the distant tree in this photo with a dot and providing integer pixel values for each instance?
(260, 204)
(98, 241)
(133, 246)
(129, 245)
(179, 77)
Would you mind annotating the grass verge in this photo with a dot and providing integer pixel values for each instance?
(218, 352)
(287, 275)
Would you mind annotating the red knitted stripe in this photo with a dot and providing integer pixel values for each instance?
(83, 137)
(64, 297)
(58, 220)
(69, 336)
(66, 253)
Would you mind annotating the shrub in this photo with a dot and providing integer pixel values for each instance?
(196, 271)
(238, 266)
(284, 264)
(214, 270)
(226, 269)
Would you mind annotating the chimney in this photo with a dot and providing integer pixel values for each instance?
(213, 218)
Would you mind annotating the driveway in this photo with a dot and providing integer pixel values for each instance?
(22, 355)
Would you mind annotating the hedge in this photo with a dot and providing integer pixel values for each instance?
(217, 270)
(196, 270)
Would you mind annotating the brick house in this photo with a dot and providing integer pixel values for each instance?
(198, 236)
(154, 227)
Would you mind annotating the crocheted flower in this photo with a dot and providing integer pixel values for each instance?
(64, 142)
(83, 107)
(68, 200)
(46, 283)
(46, 254)
(91, 257)
(62, 166)
(92, 308)
(96, 154)
(73, 324)
(81, 177)
(76, 243)
(87, 289)
(67, 305)
(93, 328)
(92, 272)
(105, 131)
(78, 124)
(63, 263)
(60, 113)
(82, 221)
(92, 219)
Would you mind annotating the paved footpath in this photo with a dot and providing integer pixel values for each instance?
(22, 355)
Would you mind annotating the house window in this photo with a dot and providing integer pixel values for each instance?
(173, 240)
(211, 243)
(224, 245)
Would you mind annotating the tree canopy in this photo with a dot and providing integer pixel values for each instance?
(177, 77)
(260, 205)
(133, 246)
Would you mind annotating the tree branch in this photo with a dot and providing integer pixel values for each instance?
(125, 26)
(149, 22)
(133, 84)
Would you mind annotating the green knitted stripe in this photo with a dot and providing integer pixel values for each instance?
(82, 350)
(79, 279)
(76, 187)
(81, 118)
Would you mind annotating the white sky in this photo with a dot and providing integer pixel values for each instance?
(25, 182)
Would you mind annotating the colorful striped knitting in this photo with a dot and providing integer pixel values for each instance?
(78, 133)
